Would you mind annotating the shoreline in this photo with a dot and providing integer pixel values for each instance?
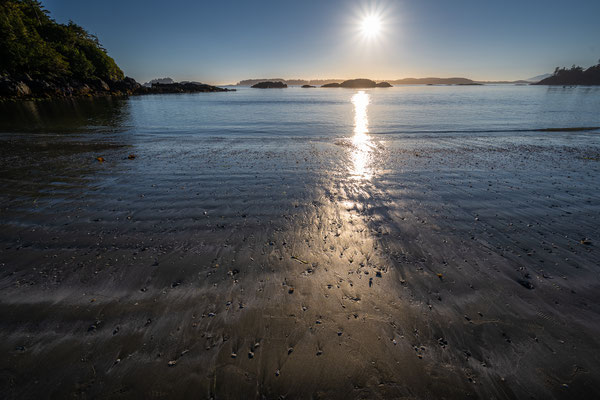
(275, 269)
(13, 89)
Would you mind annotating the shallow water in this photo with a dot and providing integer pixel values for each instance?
(417, 241)
(318, 113)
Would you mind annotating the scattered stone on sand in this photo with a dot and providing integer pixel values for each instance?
(525, 283)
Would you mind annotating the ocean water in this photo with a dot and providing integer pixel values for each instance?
(317, 113)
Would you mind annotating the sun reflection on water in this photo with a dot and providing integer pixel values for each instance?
(362, 146)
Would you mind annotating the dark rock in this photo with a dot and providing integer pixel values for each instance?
(270, 85)
(308, 86)
(100, 85)
(525, 283)
(13, 88)
(127, 84)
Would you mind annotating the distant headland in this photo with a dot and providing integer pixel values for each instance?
(574, 76)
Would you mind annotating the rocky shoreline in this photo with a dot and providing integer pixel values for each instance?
(27, 88)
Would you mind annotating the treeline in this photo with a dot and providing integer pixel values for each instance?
(574, 76)
(32, 43)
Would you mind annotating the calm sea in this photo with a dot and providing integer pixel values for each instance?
(424, 111)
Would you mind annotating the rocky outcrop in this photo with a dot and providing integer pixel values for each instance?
(358, 84)
(188, 87)
(27, 88)
(12, 88)
(270, 85)
(308, 86)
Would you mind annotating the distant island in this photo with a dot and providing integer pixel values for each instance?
(158, 80)
(431, 81)
(308, 86)
(357, 84)
(291, 82)
(40, 58)
(404, 81)
(270, 85)
(573, 76)
(181, 87)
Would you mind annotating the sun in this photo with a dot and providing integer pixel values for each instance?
(371, 26)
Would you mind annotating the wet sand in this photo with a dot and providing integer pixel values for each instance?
(365, 267)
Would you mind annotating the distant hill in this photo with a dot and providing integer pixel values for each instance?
(357, 84)
(432, 81)
(164, 81)
(573, 76)
(321, 82)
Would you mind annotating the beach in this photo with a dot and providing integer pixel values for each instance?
(429, 263)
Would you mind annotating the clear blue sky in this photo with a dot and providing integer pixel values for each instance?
(226, 41)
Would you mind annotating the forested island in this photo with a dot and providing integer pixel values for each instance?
(574, 76)
(269, 85)
(358, 84)
(404, 81)
(40, 58)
